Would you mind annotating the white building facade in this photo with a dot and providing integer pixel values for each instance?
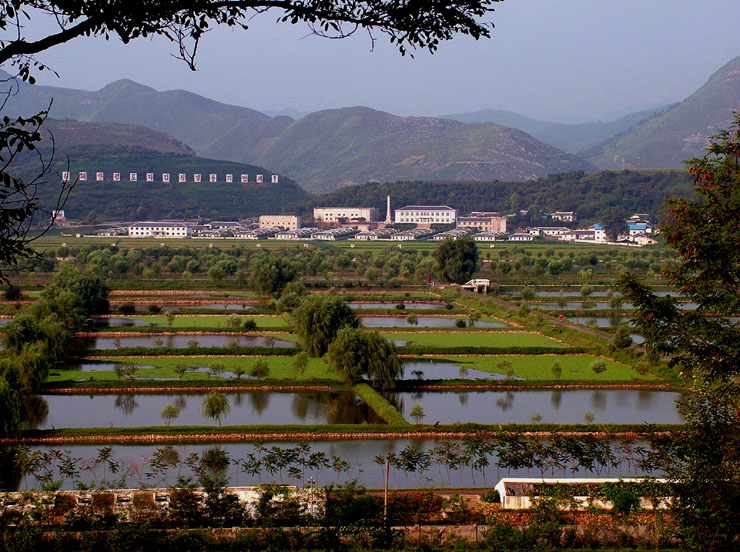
(284, 222)
(159, 230)
(483, 223)
(426, 214)
(339, 214)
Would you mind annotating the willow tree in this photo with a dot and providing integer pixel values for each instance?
(357, 352)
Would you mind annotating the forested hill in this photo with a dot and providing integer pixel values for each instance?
(322, 151)
(109, 148)
(589, 194)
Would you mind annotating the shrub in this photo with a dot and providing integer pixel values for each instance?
(491, 497)
(598, 366)
(259, 369)
(234, 322)
(250, 325)
(127, 308)
(460, 323)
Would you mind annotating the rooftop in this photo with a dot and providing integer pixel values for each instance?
(426, 208)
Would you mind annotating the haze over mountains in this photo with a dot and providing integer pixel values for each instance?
(322, 151)
(573, 138)
(681, 132)
(329, 149)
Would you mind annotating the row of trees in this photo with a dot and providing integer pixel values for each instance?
(41, 335)
(269, 271)
(329, 328)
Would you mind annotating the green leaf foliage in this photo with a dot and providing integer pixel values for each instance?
(357, 352)
(457, 259)
(318, 319)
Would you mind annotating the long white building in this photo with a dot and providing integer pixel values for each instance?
(284, 222)
(159, 230)
(485, 223)
(426, 214)
(349, 214)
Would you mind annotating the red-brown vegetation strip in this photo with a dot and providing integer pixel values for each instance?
(189, 389)
(215, 437)
(160, 334)
(646, 386)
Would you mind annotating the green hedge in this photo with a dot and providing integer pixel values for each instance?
(382, 407)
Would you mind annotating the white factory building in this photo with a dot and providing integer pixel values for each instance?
(284, 222)
(159, 230)
(345, 214)
(426, 214)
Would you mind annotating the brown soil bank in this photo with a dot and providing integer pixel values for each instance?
(247, 437)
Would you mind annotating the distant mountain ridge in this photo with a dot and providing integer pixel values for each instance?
(678, 134)
(339, 147)
(572, 138)
(323, 150)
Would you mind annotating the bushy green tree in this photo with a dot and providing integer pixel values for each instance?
(291, 297)
(318, 319)
(457, 260)
(272, 275)
(702, 462)
(357, 352)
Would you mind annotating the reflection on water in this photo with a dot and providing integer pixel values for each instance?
(627, 406)
(209, 306)
(115, 322)
(600, 293)
(126, 403)
(35, 411)
(599, 321)
(136, 464)
(247, 408)
(578, 305)
(421, 322)
(180, 341)
(392, 305)
(434, 369)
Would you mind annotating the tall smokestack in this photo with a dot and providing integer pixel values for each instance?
(388, 210)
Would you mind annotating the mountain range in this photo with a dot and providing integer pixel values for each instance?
(333, 148)
(678, 134)
(572, 138)
(323, 150)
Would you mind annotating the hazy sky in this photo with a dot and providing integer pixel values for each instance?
(565, 60)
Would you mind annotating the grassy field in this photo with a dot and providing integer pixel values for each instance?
(539, 367)
(474, 339)
(281, 368)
